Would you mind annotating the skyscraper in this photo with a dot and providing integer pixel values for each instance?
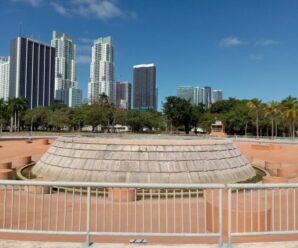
(122, 94)
(32, 71)
(207, 96)
(101, 69)
(65, 68)
(4, 77)
(144, 87)
(186, 92)
(198, 95)
(217, 95)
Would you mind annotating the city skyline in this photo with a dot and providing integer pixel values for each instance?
(245, 57)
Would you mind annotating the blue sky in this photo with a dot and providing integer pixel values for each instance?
(247, 48)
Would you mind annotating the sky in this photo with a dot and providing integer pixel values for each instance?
(246, 48)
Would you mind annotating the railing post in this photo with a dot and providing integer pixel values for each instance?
(230, 217)
(88, 213)
(220, 243)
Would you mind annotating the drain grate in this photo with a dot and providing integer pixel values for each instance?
(138, 241)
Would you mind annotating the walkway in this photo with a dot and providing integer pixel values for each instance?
(28, 244)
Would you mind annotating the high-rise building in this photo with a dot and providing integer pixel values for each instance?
(207, 96)
(198, 95)
(217, 95)
(186, 92)
(144, 87)
(4, 77)
(101, 69)
(65, 67)
(32, 71)
(72, 97)
(122, 94)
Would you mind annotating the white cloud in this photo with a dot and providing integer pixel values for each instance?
(266, 42)
(60, 9)
(98, 9)
(102, 9)
(256, 57)
(83, 59)
(34, 3)
(230, 41)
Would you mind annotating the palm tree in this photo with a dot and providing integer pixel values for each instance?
(271, 111)
(290, 113)
(21, 105)
(256, 106)
(2, 113)
(11, 107)
(15, 106)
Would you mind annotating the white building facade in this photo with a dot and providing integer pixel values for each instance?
(101, 69)
(65, 66)
(4, 77)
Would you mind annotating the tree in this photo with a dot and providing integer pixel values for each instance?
(58, 119)
(11, 110)
(16, 106)
(120, 116)
(237, 119)
(224, 106)
(136, 120)
(179, 112)
(99, 113)
(57, 104)
(21, 105)
(76, 117)
(3, 113)
(37, 117)
(290, 113)
(198, 112)
(255, 106)
(271, 111)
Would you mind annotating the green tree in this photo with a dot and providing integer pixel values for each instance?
(16, 106)
(179, 112)
(37, 117)
(136, 120)
(197, 112)
(3, 113)
(271, 111)
(99, 113)
(290, 113)
(58, 119)
(256, 106)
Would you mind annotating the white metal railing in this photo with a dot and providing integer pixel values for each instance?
(111, 209)
(261, 209)
(121, 209)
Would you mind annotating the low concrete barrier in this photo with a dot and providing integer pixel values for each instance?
(21, 161)
(287, 172)
(273, 179)
(5, 174)
(272, 166)
(39, 189)
(5, 165)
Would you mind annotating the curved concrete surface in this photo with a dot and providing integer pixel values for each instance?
(154, 160)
